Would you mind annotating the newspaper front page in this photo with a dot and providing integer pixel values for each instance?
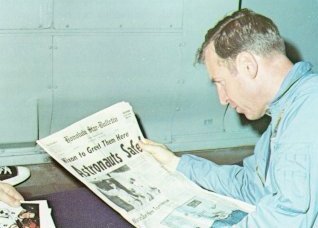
(102, 151)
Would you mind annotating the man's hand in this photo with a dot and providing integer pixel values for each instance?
(10, 195)
(161, 153)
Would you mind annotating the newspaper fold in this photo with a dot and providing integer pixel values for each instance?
(102, 151)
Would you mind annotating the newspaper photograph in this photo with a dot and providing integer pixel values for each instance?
(102, 151)
(35, 214)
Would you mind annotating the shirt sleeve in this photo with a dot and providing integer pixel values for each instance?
(230, 180)
(283, 200)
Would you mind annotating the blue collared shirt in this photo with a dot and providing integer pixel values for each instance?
(281, 177)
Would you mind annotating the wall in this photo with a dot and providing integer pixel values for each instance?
(63, 60)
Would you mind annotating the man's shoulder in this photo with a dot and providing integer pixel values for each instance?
(298, 121)
(307, 85)
(304, 94)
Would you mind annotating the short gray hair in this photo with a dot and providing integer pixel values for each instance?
(243, 30)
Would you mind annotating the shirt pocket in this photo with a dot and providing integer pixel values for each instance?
(290, 177)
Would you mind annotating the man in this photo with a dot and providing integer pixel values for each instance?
(10, 176)
(245, 58)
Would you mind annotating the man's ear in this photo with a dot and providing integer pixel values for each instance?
(246, 64)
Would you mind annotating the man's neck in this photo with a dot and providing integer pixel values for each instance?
(274, 68)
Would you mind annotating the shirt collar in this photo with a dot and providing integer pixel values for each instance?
(298, 71)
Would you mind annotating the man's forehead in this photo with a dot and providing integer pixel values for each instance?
(209, 49)
(210, 54)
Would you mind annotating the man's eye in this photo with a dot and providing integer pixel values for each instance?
(220, 83)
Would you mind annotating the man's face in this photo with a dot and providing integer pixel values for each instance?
(241, 92)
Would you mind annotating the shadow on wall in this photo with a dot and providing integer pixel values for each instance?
(292, 52)
(140, 125)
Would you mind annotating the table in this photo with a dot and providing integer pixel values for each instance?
(80, 208)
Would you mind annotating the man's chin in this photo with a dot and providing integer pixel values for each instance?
(250, 116)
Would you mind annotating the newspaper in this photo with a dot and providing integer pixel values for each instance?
(34, 214)
(102, 151)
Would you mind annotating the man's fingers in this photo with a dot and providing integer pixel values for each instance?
(147, 142)
(9, 195)
(151, 148)
(11, 201)
(161, 153)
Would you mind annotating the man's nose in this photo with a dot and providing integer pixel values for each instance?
(223, 98)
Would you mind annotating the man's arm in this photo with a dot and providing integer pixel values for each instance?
(10, 195)
(228, 180)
